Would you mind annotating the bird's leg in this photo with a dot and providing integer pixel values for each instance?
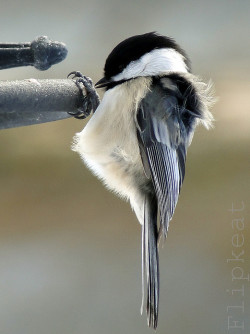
(91, 99)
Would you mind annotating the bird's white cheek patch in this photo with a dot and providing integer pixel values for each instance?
(154, 63)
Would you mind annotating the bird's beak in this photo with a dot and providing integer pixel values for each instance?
(102, 83)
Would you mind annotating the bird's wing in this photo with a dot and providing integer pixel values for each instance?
(165, 120)
(164, 127)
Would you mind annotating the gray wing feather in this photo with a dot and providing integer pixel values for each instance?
(163, 143)
(166, 119)
(163, 157)
(166, 178)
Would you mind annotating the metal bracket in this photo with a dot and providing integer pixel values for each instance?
(42, 53)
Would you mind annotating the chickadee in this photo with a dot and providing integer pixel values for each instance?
(137, 139)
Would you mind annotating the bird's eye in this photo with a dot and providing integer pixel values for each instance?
(121, 67)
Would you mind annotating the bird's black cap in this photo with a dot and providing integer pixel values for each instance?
(134, 47)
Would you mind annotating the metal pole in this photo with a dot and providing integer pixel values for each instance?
(42, 53)
(31, 101)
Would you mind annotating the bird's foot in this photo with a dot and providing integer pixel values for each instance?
(91, 99)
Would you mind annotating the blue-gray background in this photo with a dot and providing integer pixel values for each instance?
(69, 249)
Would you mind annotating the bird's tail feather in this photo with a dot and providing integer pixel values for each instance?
(150, 259)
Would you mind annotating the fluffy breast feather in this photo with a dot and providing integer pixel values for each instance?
(108, 143)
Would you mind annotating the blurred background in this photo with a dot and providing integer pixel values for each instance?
(69, 249)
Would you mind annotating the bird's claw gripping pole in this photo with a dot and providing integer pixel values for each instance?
(91, 98)
(31, 101)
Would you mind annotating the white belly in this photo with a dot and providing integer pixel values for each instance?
(108, 143)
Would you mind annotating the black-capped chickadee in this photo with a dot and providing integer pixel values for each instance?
(137, 139)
